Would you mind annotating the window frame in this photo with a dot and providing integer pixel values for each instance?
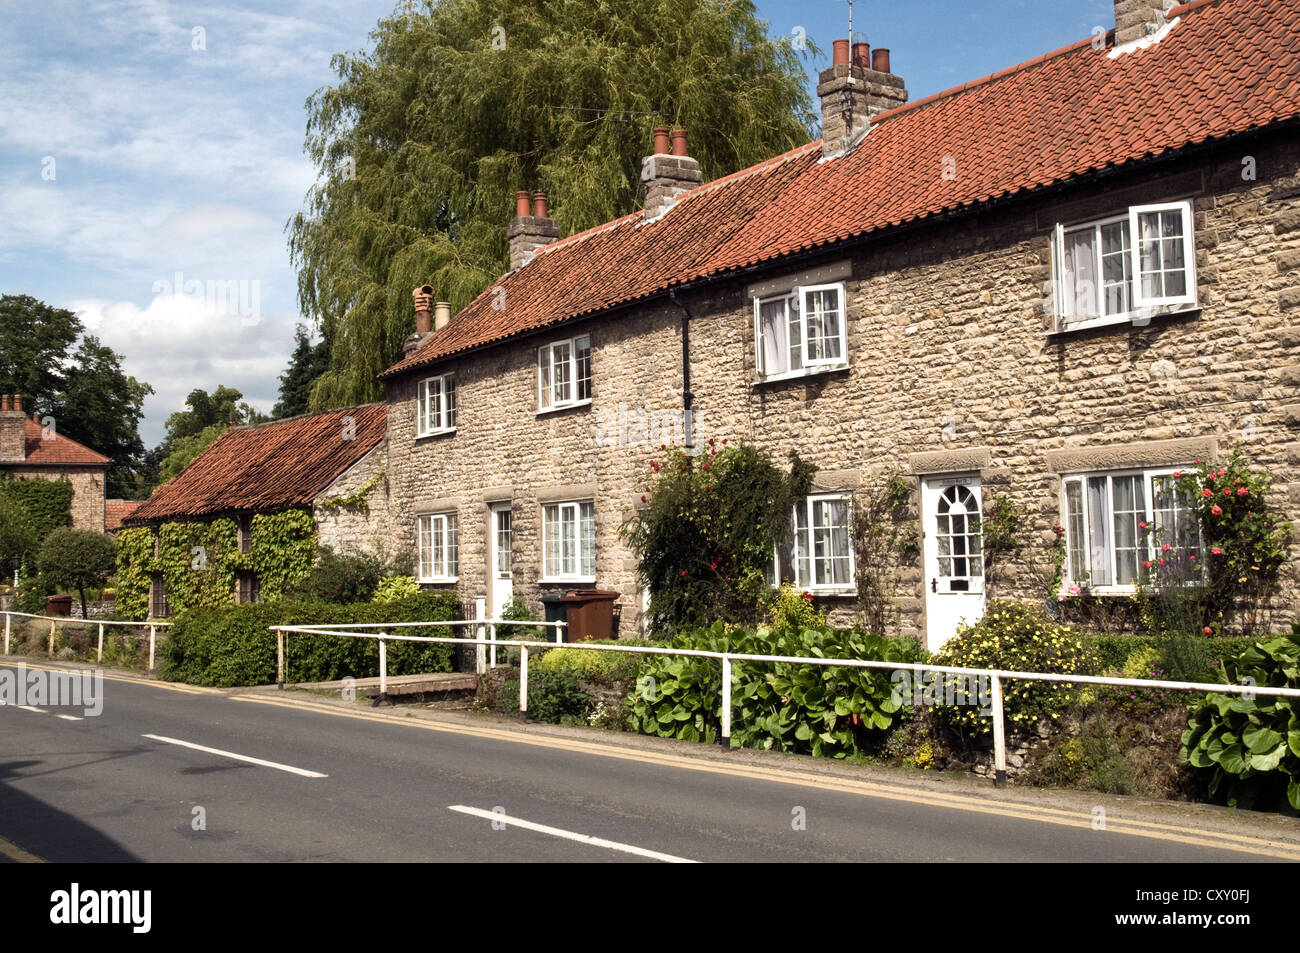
(581, 558)
(546, 376)
(1071, 574)
(446, 384)
(800, 294)
(808, 505)
(1139, 305)
(446, 526)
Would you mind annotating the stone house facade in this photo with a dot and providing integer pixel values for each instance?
(29, 450)
(1062, 306)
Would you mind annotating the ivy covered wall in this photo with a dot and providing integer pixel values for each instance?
(47, 503)
(199, 560)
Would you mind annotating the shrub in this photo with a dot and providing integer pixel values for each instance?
(604, 668)
(705, 537)
(792, 609)
(234, 646)
(395, 588)
(340, 580)
(557, 697)
(79, 559)
(821, 710)
(1248, 749)
(1016, 637)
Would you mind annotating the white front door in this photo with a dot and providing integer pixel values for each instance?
(501, 533)
(954, 561)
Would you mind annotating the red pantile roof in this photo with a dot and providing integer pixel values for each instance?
(115, 511)
(269, 466)
(1227, 67)
(49, 448)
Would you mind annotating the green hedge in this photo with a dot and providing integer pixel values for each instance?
(47, 503)
(1113, 650)
(234, 646)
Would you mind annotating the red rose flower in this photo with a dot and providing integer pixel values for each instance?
(1147, 564)
(1243, 492)
(1207, 630)
(642, 497)
(683, 573)
(710, 441)
(1216, 550)
(1162, 562)
(1216, 509)
(1142, 524)
(706, 466)
(1207, 493)
(1177, 474)
(1165, 548)
(1227, 493)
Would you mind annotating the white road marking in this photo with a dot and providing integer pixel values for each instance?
(69, 717)
(569, 835)
(39, 711)
(239, 757)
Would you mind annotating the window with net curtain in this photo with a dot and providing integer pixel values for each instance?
(1106, 543)
(569, 540)
(1134, 263)
(800, 331)
(438, 546)
(819, 552)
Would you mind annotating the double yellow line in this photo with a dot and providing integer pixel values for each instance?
(1241, 843)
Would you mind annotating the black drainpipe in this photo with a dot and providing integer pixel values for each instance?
(688, 399)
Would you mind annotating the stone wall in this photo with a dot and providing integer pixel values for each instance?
(353, 527)
(954, 366)
(87, 491)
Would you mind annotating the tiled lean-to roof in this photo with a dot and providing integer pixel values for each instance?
(1224, 68)
(269, 466)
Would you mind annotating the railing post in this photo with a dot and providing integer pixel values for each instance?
(279, 657)
(51, 649)
(153, 634)
(8, 617)
(559, 632)
(480, 651)
(523, 683)
(725, 740)
(99, 651)
(999, 735)
(492, 637)
(383, 668)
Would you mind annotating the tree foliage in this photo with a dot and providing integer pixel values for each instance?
(78, 559)
(308, 362)
(85, 390)
(460, 103)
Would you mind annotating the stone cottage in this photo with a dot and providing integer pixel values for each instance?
(30, 450)
(1060, 282)
(332, 465)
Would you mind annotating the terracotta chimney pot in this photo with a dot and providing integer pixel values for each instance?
(679, 142)
(521, 204)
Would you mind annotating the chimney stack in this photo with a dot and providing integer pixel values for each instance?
(1135, 19)
(441, 315)
(852, 93)
(529, 232)
(667, 174)
(423, 296)
(13, 429)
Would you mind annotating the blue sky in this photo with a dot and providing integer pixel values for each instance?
(142, 141)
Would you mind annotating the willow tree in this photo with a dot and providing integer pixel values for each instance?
(426, 137)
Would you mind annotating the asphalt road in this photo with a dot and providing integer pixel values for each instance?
(340, 782)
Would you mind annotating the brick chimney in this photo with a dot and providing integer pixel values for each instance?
(13, 429)
(1135, 19)
(667, 174)
(527, 233)
(853, 92)
(423, 296)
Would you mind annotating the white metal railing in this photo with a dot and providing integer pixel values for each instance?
(70, 620)
(995, 676)
(487, 641)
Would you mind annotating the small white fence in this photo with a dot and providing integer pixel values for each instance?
(995, 676)
(55, 621)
